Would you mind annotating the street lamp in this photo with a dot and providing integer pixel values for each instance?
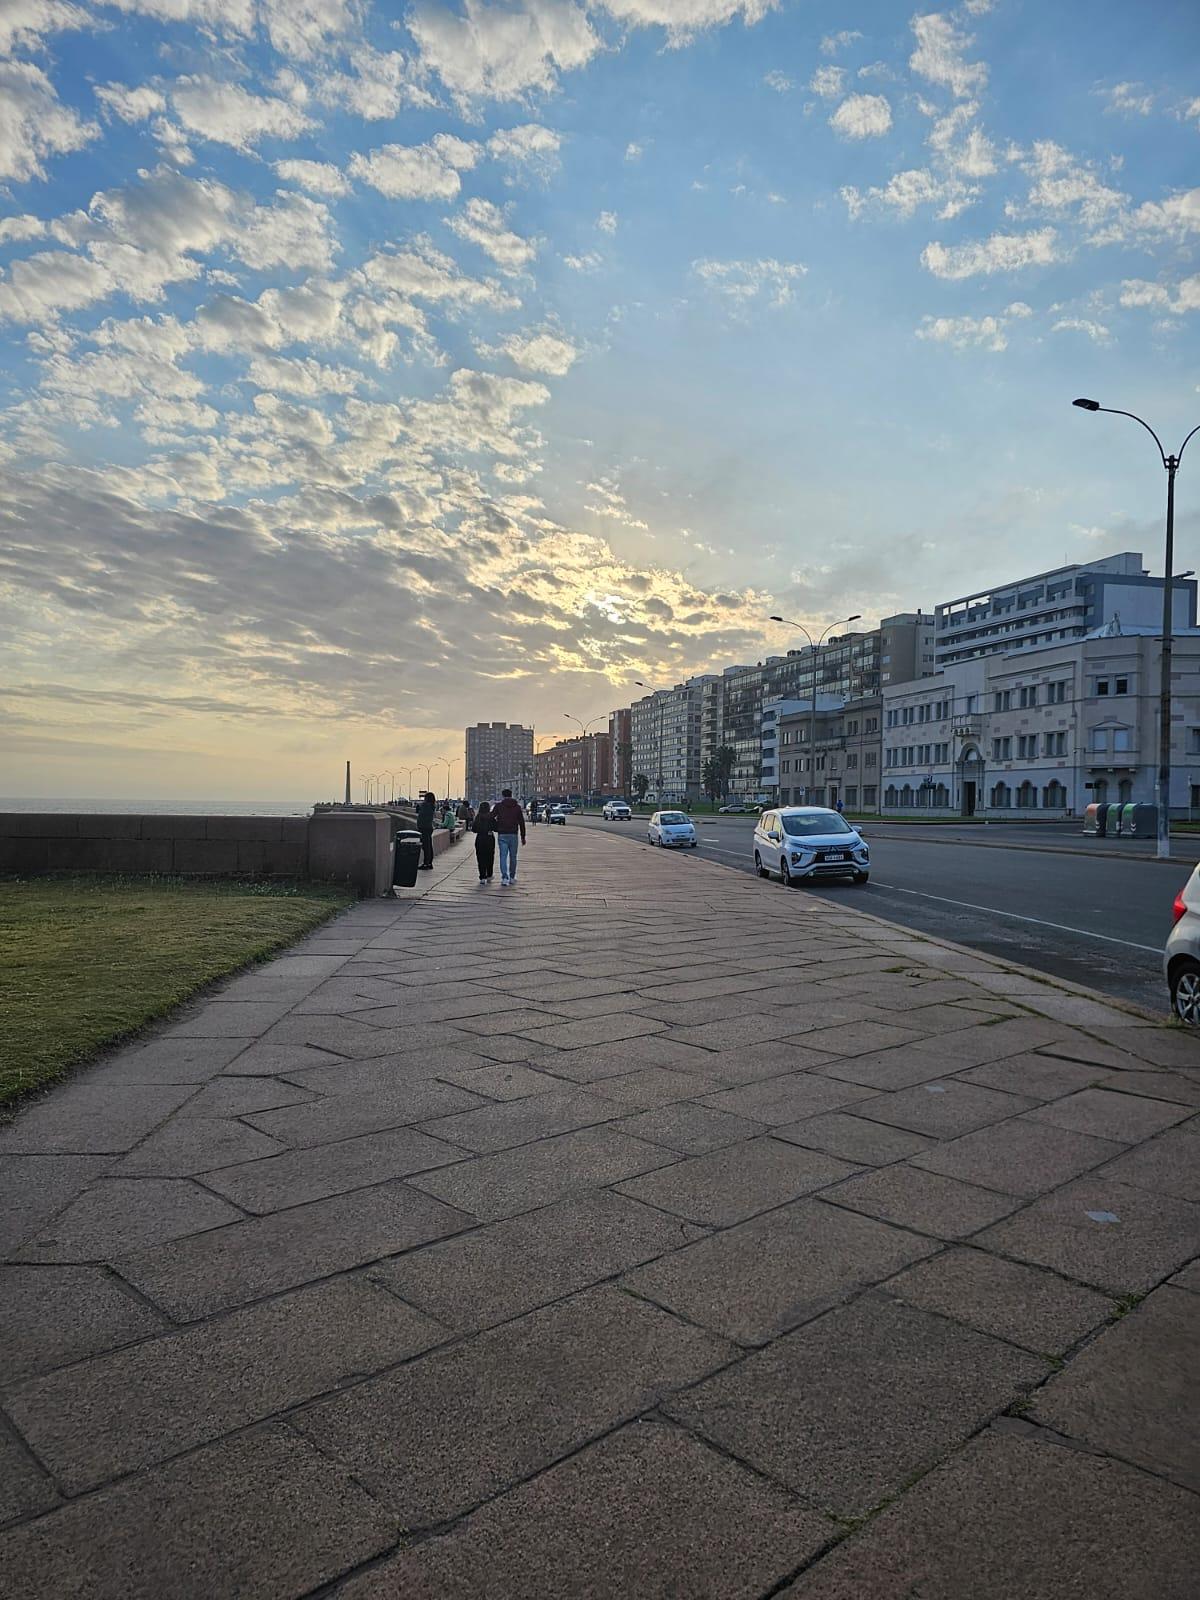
(445, 762)
(812, 721)
(1171, 463)
(583, 752)
(662, 706)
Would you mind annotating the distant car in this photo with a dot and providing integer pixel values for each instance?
(735, 808)
(1181, 958)
(803, 843)
(673, 829)
(616, 811)
(558, 814)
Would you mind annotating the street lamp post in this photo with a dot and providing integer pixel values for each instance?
(1171, 463)
(812, 721)
(583, 753)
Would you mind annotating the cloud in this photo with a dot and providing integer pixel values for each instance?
(608, 501)
(229, 114)
(1095, 331)
(1062, 184)
(543, 352)
(318, 177)
(528, 151)
(24, 24)
(684, 19)
(742, 282)
(1176, 299)
(965, 333)
(419, 171)
(779, 81)
(828, 82)
(494, 52)
(590, 261)
(131, 105)
(34, 124)
(1002, 252)
(906, 192)
(939, 56)
(301, 375)
(484, 224)
(960, 148)
(607, 222)
(1127, 99)
(862, 116)
(379, 84)
(833, 42)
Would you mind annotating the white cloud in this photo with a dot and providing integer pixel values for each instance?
(1128, 99)
(965, 333)
(684, 19)
(292, 232)
(1177, 216)
(34, 124)
(1182, 297)
(229, 114)
(828, 82)
(24, 24)
(607, 222)
(1096, 331)
(589, 261)
(418, 171)
(318, 177)
(742, 282)
(529, 150)
(548, 353)
(833, 42)
(906, 192)
(634, 151)
(939, 56)
(491, 52)
(1062, 184)
(484, 224)
(862, 116)
(779, 81)
(131, 105)
(963, 149)
(1002, 252)
(19, 230)
(301, 375)
(304, 28)
(379, 84)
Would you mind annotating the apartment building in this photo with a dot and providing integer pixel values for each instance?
(574, 768)
(620, 745)
(1055, 607)
(665, 735)
(1045, 729)
(838, 759)
(499, 755)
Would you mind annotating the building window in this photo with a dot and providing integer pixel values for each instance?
(1121, 686)
(1001, 749)
(870, 760)
(889, 796)
(1098, 742)
(1029, 696)
(1027, 797)
(869, 794)
(1101, 685)
(1026, 746)
(1002, 700)
(851, 760)
(785, 766)
(1055, 744)
(1001, 796)
(1054, 797)
(1122, 741)
(1194, 741)
(851, 796)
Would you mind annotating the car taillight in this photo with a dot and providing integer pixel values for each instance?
(1179, 909)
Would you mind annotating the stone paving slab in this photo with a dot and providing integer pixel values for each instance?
(338, 1283)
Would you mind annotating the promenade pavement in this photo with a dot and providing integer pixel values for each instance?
(644, 1231)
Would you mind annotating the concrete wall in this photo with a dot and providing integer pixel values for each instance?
(338, 847)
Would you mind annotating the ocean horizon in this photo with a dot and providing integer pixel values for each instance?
(108, 806)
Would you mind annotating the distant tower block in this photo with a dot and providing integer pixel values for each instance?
(347, 783)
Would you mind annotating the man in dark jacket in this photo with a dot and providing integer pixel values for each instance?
(509, 823)
(426, 814)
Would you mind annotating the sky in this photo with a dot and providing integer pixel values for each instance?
(369, 370)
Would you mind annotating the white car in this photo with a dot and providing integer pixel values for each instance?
(1181, 958)
(735, 808)
(558, 814)
(672, 828)
(803, 843)
(617, 811)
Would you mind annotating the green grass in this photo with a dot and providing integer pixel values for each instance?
(86, 961)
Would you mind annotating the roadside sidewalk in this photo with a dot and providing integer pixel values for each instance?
(639, 1231)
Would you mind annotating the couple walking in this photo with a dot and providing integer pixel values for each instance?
(506, 822)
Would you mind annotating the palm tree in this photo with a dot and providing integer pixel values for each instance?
(711, 778)
(726, 760)
(640, 784)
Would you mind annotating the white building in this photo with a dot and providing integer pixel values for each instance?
(1044, 729)
(667, 730)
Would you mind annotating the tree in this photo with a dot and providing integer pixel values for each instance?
(712, 779)
(726, 760)
(640, 784)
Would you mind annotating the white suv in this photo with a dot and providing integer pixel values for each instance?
(616, 811)
(807, 842)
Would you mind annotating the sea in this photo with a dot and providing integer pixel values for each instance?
(107, 806)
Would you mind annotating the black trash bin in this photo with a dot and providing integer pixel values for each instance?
(407, 858)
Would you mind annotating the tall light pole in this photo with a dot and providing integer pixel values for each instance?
(583, 752)
(445, 762)
(1171, 463)
(812, 721)
(662, 705)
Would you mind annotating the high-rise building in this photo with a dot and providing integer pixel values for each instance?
(620, 746)
(499, 756)
(665, 733)
(1053, 607)
(574, 769)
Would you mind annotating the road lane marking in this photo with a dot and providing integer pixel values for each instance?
(1060, 927)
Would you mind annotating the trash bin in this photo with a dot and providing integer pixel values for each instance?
(407, 858)
(1139, 820)
(1095, 819)
(1114, 820)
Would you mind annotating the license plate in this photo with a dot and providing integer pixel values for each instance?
(834, 855)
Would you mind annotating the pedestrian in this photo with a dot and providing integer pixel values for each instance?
(448, 816)
(533, 810)
(838, 807)
(484, 829)
(465, 814)
(426, 813)
(510, 825)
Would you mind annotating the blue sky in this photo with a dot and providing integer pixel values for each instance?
(373, 369)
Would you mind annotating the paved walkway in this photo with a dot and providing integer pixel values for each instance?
(642, 1231)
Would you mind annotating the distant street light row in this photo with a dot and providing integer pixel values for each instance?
(380, 787)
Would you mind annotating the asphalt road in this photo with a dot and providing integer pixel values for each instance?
(1092, 920)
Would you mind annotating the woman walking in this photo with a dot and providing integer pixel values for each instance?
(483, 828)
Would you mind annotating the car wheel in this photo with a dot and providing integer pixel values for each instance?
(860, 877)
(758, 866)
(1185, 991)
(694, 843)
(785, 875)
